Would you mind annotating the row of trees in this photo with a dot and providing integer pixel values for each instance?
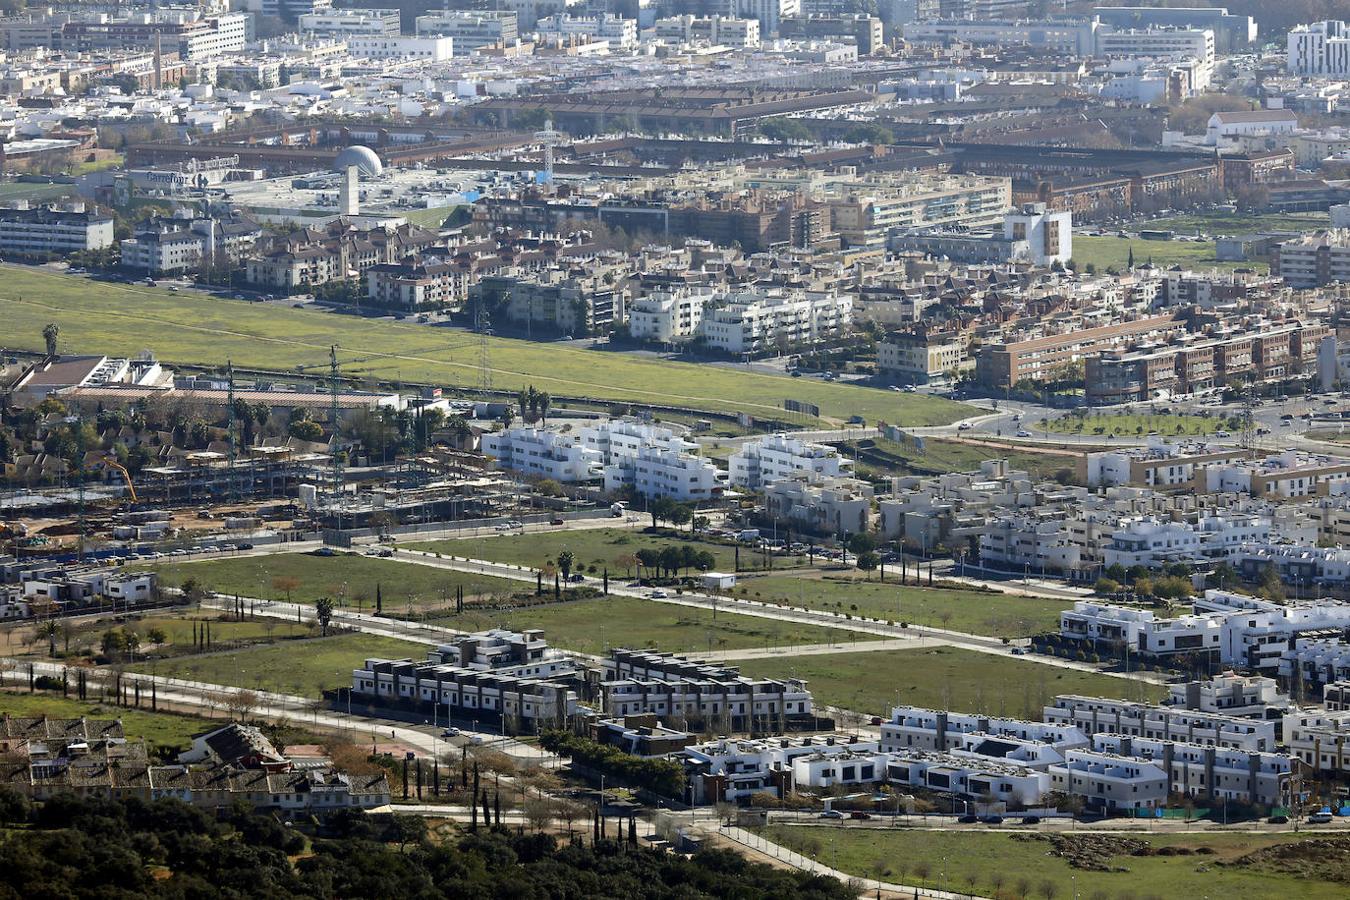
(661, 776)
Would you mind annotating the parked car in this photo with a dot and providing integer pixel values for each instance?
(1278, 820)
(1023, 433)
(1320, 818)
(451, 731)
(831, 814)
(859, 814)
(1031, 820)
(659, 594)
(325, 551)
(556, 520)
(968, 820)
(992, 820)
(243, 545)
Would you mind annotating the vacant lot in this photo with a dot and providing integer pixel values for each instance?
(159, 729)
(938, 457)
(990, 864)
(1114, 252)
(189, 328)
(599, 547)
(302, 669)
(943, 678)
(592, 626)
(350, 579)
(1233, 223)
(976, 612)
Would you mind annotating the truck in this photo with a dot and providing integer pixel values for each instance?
(748, 535)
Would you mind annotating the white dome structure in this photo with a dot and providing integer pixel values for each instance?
(364, 158)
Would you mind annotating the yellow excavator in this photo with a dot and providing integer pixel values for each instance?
(112, 463)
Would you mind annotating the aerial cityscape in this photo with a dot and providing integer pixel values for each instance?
(659, 449)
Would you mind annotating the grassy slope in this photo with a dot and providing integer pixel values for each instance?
(999, 615)
(300, 669)
(123, 319)
(592, 626)
(960, 855)
(1115, 251)
(942, 677)
(335, 576)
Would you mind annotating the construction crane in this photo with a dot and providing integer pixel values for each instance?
(126, 476)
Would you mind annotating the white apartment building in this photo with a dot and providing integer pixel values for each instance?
(1293, 473)
(775, 457)
(821, 505)
(621, 33)
(1097, 715)
(520, 703)
(753, 322)
(1313, 260)
(1151, 541)
(1048, 233)
(1251, 696)
(1110, 783)
(1205, 772)
(992, 783)
(865, 211)
(1162, 43)
(470, 29)
(423, 49)
(917, 728)
(1321, 49)
(1320, 740)
(713, 30)
(731, 770)
(1024, 541)
(670, 470)
(1160, 464)
(1075, 39)
(49, 230)
(543, 453)
(668, 317)
(768, 13)
(344, 23)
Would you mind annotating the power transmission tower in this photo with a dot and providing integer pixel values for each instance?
(481, 323)
(234, 426)
(333, 388)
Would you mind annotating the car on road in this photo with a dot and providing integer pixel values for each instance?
(658, 594)
(831, 814)
(1287, 417)
(386, 554)
(1023, 433)
(243, 545)
(964, 426)
(1320, 818)
(450, 732)
(1278, 820)
(1222, 434)
(556, 520)
(1031, 820)
(859, 814)
(992, 820)
(968, 820)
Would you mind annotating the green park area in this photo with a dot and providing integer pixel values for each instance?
(976, 612)
(1103, 253)
(592, 626)
(119, 319)
(1138, 424)
(603, 548)
(301, 669)
(943, 678)
(1227, 223)
(349, 579)
(158, 729)
(1106, 866)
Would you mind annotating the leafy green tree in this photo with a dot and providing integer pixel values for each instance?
(868, 561)
(566, 560)
(323, 611)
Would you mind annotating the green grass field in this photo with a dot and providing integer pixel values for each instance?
(999, 615)
(14, 190)
(943, 678)
(159, 729)
(178, 631)
(1233, 223)
(97, 317)
(940, 457)
(347, 577)
(1000, 864)
(593, 626)
(1139, 424)
(1106, 252)
(427, 218)
(290, 668)
(601, 547)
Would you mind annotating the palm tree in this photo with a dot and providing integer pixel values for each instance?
(49, 334)
(566, 560)
(544, 401)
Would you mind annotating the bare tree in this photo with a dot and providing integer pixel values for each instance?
(241, 703)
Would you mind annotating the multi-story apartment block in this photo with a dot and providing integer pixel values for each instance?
(1321, 49)
(732, 770)
(916, 728)
(1160, 464)
(621, 33)
(1314, 260)
(544, 453)
(665, 469)
(50, 231)
(173, 246)
(1110, 783)
(1289, 475)
(1151, 542)
(1002, 365)
(1250, 696)
(194, 39)
(668, 317)
(471, 29)
(1095, 715)
(1319, 740)
(776, 457)
(1172, 43)
(821, 505)
(920, 356)
(866, 211)
(314, 256)
(714, 30)
(342, 23)
(755, 322)
(425, 285)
